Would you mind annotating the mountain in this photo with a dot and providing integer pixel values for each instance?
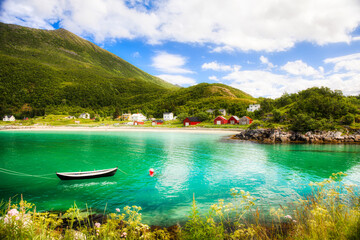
(42, 68)
(55, 71)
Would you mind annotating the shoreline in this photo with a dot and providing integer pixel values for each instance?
(119, 129)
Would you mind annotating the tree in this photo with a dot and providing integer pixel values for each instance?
(182, 116)
(203, 116)
(348, 119)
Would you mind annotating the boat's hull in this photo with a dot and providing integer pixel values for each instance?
(87, 175)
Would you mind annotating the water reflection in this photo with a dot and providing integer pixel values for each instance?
(185, 164)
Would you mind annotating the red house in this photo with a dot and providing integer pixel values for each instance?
(138, 123)
(191, 121)
(220, 120)
(157, 122)
(234, 120)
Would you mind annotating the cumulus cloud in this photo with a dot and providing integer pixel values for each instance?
(265, 61)
(214, 78)
(298, 67)
(347, 63)
(273, 83)
(170, 63)
(215, 66)
(260, 25)
(177, 79)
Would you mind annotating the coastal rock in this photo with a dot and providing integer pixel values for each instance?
(279, 136)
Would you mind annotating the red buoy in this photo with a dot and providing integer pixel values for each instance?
(151, 172)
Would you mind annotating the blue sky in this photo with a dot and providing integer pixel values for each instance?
(263, 47)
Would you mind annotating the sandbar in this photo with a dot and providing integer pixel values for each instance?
(121, 129)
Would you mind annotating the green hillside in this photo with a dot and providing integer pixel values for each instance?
(200, 98)
(41, 69)
(57, 72)
(312, 109)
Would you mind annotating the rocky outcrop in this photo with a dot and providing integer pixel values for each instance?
(279, 136)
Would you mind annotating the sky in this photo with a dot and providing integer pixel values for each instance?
(263, 47)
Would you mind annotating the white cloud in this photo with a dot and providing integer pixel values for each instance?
(260, 25)
(265, 61)
(170, 63)
(273, 83)
(347, 63)
(214, 78)
(136, 55)
(177, 79)
(268, 84)
(298, 67)
(219, 67)
(227, 49)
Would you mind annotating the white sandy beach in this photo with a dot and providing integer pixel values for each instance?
(120, 129)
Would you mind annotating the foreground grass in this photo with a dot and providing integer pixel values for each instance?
(332, 212)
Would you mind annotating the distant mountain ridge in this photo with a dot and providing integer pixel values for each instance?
(43, 71)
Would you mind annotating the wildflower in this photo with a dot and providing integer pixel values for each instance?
(294, 221)
(13, 212)
(288, 217)
(118, 209)
(97, 225)
(123, 235)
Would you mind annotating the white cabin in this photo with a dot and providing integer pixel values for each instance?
(138, 117)
(253, 107)
(168, 116)
(85, 116)
(9, 118)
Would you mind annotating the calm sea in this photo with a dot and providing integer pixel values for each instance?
(207, 165)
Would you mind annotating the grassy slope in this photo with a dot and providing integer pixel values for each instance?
(57, 68)
(202, 97)
(43, 67)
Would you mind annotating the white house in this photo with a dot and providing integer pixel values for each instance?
(168, 116)
(85, 116)
(138, 117)
(9, 118)
(253, 107)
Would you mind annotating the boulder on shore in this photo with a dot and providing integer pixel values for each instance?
(279, 136)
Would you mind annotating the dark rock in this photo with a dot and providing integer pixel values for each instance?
(279, 136)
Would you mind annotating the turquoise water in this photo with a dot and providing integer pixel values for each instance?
(206, 165)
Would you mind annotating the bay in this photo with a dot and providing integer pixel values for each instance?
(206, 165)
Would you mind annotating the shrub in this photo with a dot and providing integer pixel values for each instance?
(255, 124)
(348, 119)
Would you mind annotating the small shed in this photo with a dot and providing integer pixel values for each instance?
(138, 123)
(191, 121)
(157, 122)
(220, 120)
(234, 120)
(245, 120)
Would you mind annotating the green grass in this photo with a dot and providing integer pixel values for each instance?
(331, 212)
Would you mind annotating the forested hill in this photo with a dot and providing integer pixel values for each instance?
(42, 68)
(44, 72)
(201, 97)
(312, 109)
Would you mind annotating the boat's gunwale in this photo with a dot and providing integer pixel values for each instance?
(87, 173)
